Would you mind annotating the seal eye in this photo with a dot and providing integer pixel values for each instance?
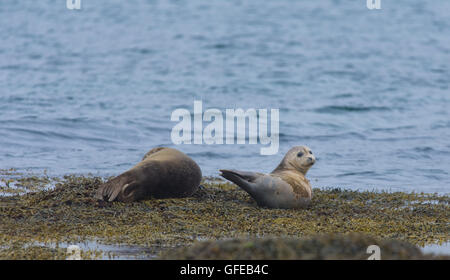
(300, 154)
(310, 152)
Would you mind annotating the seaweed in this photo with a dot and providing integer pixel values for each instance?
(68, 213)
(330, 246)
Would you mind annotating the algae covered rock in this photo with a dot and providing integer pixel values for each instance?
(66, 212)
(321, 247)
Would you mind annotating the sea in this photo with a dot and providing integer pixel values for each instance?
(91, 90)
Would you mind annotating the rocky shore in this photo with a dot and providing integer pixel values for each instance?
(41, 216)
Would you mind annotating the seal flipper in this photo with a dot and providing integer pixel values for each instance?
(110, 190)
(129, 191)
(241, 178)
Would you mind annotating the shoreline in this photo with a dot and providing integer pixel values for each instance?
(30, 174)
(44, 220)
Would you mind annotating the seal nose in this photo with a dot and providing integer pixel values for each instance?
(311, 160)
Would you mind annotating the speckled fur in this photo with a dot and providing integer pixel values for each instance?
(285, 187)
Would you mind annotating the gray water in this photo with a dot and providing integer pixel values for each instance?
(91, 91)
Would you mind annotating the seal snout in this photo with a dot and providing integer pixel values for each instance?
(311, 160)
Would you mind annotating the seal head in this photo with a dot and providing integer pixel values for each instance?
(298, 158)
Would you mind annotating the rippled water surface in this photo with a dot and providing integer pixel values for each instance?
(93, 90)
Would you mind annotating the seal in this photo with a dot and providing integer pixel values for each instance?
(285, 187)
(162, 173)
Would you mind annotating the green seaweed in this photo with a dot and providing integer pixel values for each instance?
(69, 213)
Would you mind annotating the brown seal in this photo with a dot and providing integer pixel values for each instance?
(285, 187)
(162, 173)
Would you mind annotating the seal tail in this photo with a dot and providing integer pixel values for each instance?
(240, 178)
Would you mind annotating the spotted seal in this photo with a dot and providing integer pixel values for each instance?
(285, 187)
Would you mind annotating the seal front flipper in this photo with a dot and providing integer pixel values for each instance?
(112, 189)
(241, 178)
(130, 191)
